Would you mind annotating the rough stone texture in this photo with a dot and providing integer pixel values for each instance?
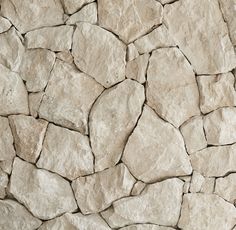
(3, 184)
(65, 56)
(196, 182)
(208, 185)
(132, 52)
(71, 6)
(138, 188)
(112, 119)
(34, 103)
(146, 227)
(4, 24)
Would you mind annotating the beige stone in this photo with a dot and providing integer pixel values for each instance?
(45, 194)
(3, 184)
(99, 53)
(71, 6)
(138, 188)
(4, 24)
(186, 187)
(206, 211)
(171, 86)
(129, 19)
(146, 227)
(199, 30)
(14, 216)
(34, 103)
(196, 182)
(96, 192)
(69, 97)
(208, 185)
(149, 151)
(112, 119)
(152, 206)
(65, 56)
(132, 52)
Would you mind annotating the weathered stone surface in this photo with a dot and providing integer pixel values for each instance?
(186, 187)
(96, 192)
(161, 198)
(112, 119)
(138, 188)
(146, 227)
(132, 52)
(28, 15)
(35, 68)
(66, 152)
(54, 38)
(199, 30)
(4, 24)
(3, 184)
(129, 19)
(193, 134)
(65, 56)
(196, 182)
(14, 216)
(34, 103)
(208, 185)
(45, 194)
(149, 151)
(99, 53)
(206, 210)
(71, 6)
(28, 134)
(220, 126)
(170, 80)
(69, 97)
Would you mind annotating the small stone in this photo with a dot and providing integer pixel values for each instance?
(112, 119)
(3, 185)
(99, 53)
(206, 210)
(149, 151)
(165, 1)
(4, 24)
(65, 56)
(196, 182)
(96, 192)
(208, 186)
(34, 103)
(185, 178)
(71, 6)
(138, 188)
(28, 134)
(45, 194)
(53, 38)
(129, 19)
(146, 227)
(186, 187)
(171, 86)
(132, 52)
(14, 216)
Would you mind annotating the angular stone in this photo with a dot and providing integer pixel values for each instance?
(208, 186)
(170, 80)
(14, 216)
(220, 126)
(29, 15)
(199, 30)
(146, 227)
(96, 192)
(66, 152)
(45, 194)
(28, 134)
(196, 182)
(54, 38)
(99, 53)
(71, 6)
(149, 151)
(138, 188)
(186, 187)
(132, 52)
(4, 24)
(206, 210)
(69, 97)
(3, 184)
(34, 103)
(65, 56)
(129, 19)
(152, 206)
(112, 119)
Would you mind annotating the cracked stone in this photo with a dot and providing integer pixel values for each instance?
(196, 182)
(34, 103)
(3, 184)
(4, 24)
(71, 6)
(65, 56)
(146, 227)
(138, 188)
(132, 52)
(186, 187)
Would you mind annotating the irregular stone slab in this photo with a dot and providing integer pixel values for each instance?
(161, 198)
(66, 152)
(65, 56)
(69, 97)
(4, 24)
(146, 227)
(15, 216)
(170, 80)
(193, 133)
(13, 94)
(54, 38)
(158, 38)
(196, 182)
(149, 151)
(35, 68)
(45, 194)
(71, 6)
(129, 19)
(116, 111)
(220, 126)
(3, 184)
(28, 134)
(206, 210)
(34, 103)
(214, 161)
(105, 58)
(96, 192)
(199, 30)
(132, 52)
(208, 185)
(26, 16)
(138, 188)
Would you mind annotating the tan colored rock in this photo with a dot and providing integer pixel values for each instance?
(206, 210)
(14, 216)
(34, 103)
(129, 19)
(3, 184)
(199, 30)
(196, 182)
(66, 152)
(220, 126)
(186, 187)
(53, 38)
(208, 186)
(171, 86)
(29, 15)
(193, 134)
(69, 97)
(146, 227)
(112, 120)
(152, 206)
(99, 53)
(132, 52)
(4, 24)
(96, 192)
(149, 151)
(28, 134)
(65, 56)
(71, 6)
(138, 188)
(45, 194)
